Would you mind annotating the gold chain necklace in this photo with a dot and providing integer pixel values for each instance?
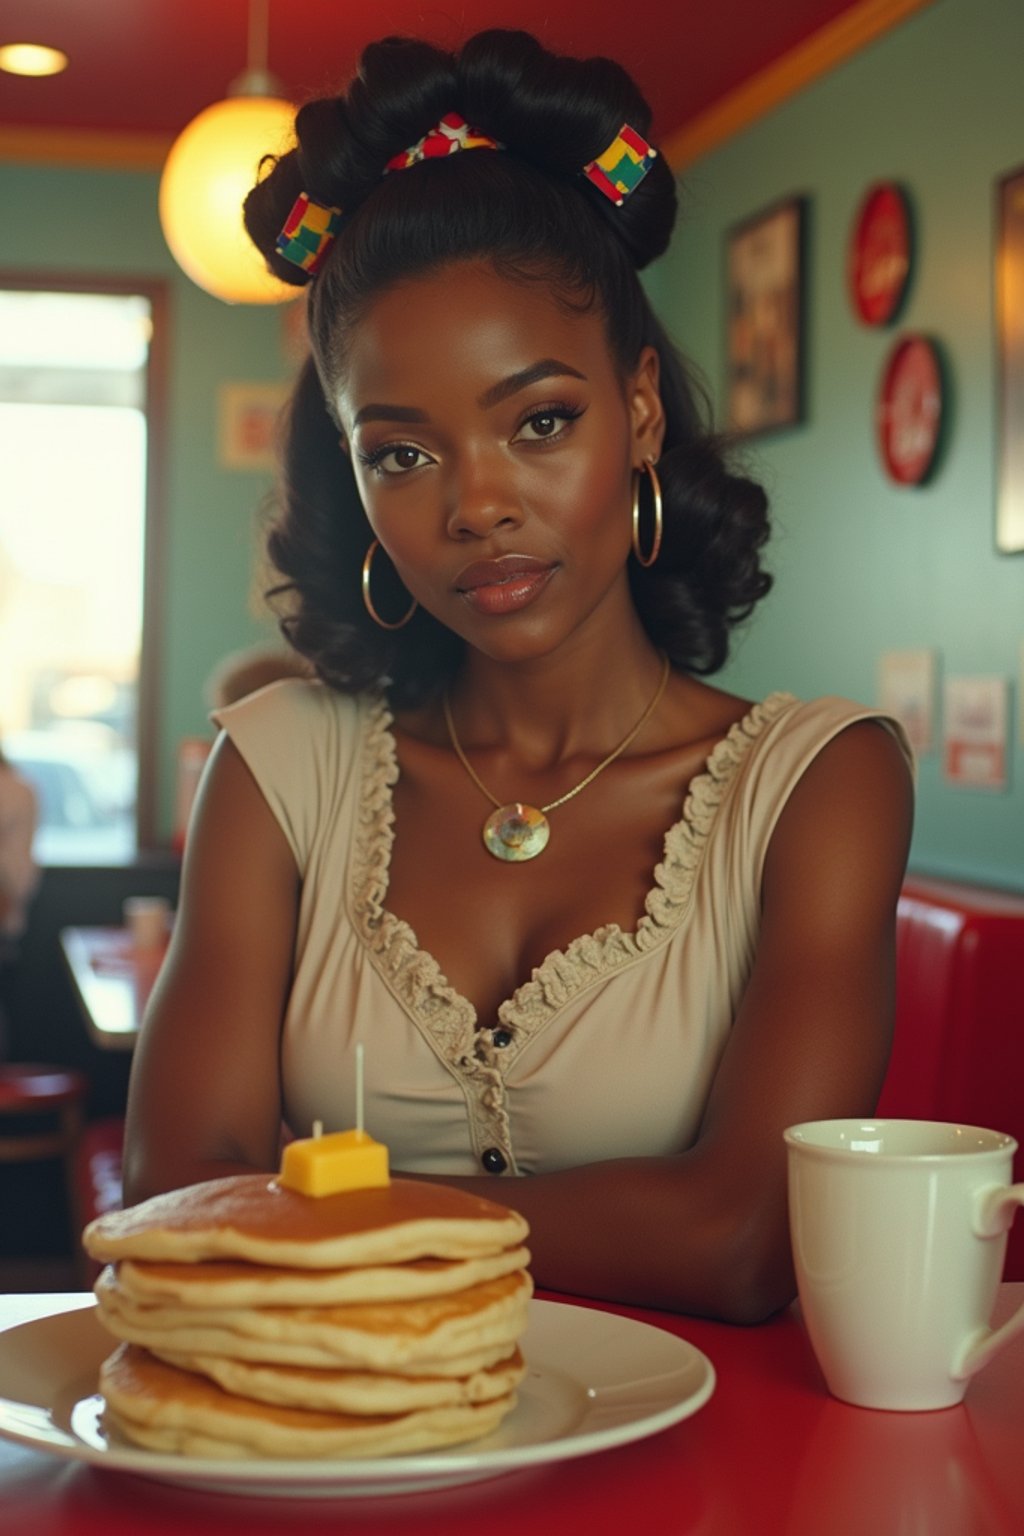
(517, 832)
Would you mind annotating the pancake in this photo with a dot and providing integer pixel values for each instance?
(253, 1217)
(255, 1320)
(163, 1408)
(359, 1392)
(229, 1283)
(419, 1334)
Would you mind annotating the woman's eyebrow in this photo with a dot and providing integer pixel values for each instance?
(547, 368)
(388, 413)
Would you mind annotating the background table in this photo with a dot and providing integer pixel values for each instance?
(112, 980)
(771, 1454)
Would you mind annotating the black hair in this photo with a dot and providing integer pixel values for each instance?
(533, 216)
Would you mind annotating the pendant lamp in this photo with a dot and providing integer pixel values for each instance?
(211, 166)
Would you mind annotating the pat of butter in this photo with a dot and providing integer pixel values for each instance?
(329, 1165)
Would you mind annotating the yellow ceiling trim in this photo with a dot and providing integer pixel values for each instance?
(820, 52)
(82, 147)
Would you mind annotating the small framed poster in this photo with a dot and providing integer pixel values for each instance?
(765, 319)
(881, 254)
(249, 417)
(1010, 363)
(906, 689)
(975, 745)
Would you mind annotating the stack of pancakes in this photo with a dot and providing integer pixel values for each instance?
(257, 1321)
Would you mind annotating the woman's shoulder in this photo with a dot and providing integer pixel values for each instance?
(767, 744)
(815, 722)
(304, 728)
(821, 752)
(782, 718)
(296, 703)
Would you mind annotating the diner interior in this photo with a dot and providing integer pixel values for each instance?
(885, 589)
(881, 400)
(848, 281)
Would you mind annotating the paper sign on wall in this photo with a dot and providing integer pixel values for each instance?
(906, 689)
(975, 746)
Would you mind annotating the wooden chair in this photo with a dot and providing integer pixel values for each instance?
(41, 1117)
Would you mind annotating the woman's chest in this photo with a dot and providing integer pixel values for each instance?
(489, 923)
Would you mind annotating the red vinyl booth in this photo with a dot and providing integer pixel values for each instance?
(958, 1051)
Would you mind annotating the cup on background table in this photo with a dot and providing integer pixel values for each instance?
(148, 920)
(899, 1236)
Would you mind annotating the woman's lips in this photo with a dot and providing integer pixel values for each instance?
(505, 585)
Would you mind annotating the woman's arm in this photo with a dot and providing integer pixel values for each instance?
(706, 1231)
(205, 1097)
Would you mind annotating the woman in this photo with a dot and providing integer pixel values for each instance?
(511, 552)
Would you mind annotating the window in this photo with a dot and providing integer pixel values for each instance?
(76, 447)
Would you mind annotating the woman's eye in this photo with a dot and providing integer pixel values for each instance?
(543, 425)
(394, 459)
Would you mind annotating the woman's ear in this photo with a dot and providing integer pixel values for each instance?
(646, 411)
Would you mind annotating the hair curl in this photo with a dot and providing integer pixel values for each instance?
(531, 214)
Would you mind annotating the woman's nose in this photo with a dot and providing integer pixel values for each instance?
(482, 500)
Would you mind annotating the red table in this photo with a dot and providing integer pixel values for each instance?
(112, 980)
(771, 1454)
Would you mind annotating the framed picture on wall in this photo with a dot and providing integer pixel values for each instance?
(1010, 363)
(249, 418)
(765, 319)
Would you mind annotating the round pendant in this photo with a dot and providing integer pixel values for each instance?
(516, 833)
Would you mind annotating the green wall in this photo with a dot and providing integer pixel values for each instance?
(861, 565)
(105, 222)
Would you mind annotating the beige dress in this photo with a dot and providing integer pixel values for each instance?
(608, 1049)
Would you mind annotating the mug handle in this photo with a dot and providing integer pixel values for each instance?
(994, 1211)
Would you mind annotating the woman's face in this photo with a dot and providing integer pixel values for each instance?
(493, 442)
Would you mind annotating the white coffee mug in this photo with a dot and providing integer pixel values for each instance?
(899, 1236)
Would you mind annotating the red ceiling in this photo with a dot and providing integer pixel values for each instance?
(151, 65)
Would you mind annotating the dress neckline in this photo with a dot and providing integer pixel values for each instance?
(414, 976)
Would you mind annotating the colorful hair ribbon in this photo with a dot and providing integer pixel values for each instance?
(447, 137)
(620, 169)
(308, 233)
(310, 228)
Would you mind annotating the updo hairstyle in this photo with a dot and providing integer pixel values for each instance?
(530, 213)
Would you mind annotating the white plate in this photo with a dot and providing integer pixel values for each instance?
(594, 1380)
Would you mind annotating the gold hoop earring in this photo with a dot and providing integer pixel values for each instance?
(368, 600)
(652, 555)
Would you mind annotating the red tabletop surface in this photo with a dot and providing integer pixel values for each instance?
(771, 1454)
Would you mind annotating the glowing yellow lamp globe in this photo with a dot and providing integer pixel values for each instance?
(211, 166)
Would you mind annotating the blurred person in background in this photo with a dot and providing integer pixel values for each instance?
(19, 877)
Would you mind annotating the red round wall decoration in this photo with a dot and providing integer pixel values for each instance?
(880, 255)
(909, 410)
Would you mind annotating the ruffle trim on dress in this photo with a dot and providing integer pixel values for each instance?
(589, 960)
(447, 1020)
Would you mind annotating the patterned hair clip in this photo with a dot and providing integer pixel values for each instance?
(450, 135)
(620, 169)
(308, 233)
